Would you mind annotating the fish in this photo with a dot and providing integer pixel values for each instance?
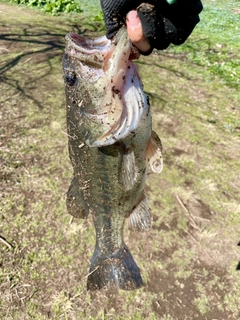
(112, 147)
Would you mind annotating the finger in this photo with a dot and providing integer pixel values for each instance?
(135, 31)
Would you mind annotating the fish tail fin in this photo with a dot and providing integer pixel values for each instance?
(118, 271)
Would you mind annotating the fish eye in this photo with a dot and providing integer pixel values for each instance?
(71, 78)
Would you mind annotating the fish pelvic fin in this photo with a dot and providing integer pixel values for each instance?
(140, 218)
(154, 153)
(76, 205)
(117, 271)
(127, 171)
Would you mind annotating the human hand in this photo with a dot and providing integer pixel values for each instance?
(156, 24)
(144, 23)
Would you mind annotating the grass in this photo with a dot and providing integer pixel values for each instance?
(215, 41)
(188, 260)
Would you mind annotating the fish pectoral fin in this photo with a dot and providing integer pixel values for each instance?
(140, 218)
(154, 153)
(127, 171)
(76, 205)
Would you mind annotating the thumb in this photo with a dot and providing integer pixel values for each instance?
(135, 31)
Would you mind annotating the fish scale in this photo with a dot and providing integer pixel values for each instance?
(109, 153)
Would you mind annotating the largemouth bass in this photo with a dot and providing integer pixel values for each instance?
(111, 144)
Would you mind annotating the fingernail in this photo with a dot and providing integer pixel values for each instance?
(133, 19)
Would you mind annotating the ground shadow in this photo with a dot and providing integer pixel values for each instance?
(34, 42)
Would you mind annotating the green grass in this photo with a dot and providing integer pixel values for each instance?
(215, 43)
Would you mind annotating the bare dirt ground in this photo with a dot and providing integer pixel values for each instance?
(190, 259)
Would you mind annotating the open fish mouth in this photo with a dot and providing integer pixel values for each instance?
(89, 51)
(123, 103)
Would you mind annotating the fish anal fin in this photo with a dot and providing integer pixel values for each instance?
(76, 205)
(127, 171)
(154, 153)
(140, 218)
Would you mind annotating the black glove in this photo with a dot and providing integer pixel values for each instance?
(162, 22)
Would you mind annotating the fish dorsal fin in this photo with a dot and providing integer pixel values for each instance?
(127, 171)
(154, 153)
(140, 218)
